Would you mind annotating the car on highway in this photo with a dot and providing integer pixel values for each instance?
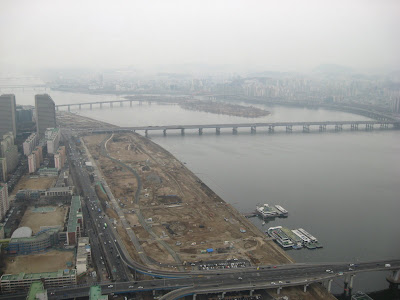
(240, 278)
(139, 287)
(110, 286)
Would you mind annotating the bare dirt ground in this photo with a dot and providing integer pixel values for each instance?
(34, 183)
(36, 219)
(45, 262)
(182, 210)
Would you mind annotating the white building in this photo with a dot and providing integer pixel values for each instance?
(83, 255)
(32, 163)
(52, 136)
(30, 144)
(4, 205)
(9, 151)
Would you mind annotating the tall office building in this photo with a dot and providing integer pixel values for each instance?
(45, 113)
(8, 121)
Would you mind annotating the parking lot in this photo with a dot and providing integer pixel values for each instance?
(221, 264)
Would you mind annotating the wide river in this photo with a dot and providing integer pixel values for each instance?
(342, 187)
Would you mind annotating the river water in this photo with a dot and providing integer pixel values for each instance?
(342, 187)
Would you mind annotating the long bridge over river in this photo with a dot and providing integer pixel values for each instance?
(270, 127)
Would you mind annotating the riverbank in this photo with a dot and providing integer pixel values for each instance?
(181, 209)
(225, 109)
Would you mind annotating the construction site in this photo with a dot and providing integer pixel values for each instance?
(179, 221)
(176, 206)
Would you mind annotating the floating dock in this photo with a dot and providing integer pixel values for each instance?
(296, 238)
(267, 211)
(280, 237)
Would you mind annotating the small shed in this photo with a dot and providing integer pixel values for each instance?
(209, 250)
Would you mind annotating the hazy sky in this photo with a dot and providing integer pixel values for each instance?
(294, 35)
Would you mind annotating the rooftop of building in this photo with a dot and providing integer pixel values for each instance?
(60, 189)
(22, 232)
(95, 293)
(48, 169)
(36, 287)
(25, 276)
(51, 133)
(38, 236)
(31, 137)
(74, 213)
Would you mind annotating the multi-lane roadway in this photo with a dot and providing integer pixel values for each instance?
(107, 246)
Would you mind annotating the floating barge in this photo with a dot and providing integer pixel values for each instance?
(296, 239)
(267, 211)
(280, 237)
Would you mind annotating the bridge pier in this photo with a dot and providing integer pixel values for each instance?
(101, 105)
(217, 130)
(306, 128)
(130, 103)
(56, 108)
(223, 295)
(183, 131)
(338, 127)
(289, 128)
(271, 128)
(348, 284)
(121, 103)
(329, 285)
(194, 296)
(90, 106)
(394, 279)
(111, 104)
(253, 129)
(80, 106)
(354, 126)
(305, 288)
(146, 133)
(251, 293)
(200, 131)
(140, 102)
(165, 132)
(384, 125)
(322, 127)
(234, 130)
(278, 291)
(69, 107)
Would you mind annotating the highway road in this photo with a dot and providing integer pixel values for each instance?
(101, 239)
(267, 277)
(115, 256)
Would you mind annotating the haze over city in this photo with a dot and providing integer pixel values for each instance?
(251, 35)
(170, 149)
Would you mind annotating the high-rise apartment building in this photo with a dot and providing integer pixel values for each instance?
(4, 205)
(9, 151)
(8, 121)
(59, 158)
(45, 113)
(30, 144)
(32, 167)
(3, 169)
(52, 136)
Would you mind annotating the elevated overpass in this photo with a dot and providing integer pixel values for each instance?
(249, 279)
